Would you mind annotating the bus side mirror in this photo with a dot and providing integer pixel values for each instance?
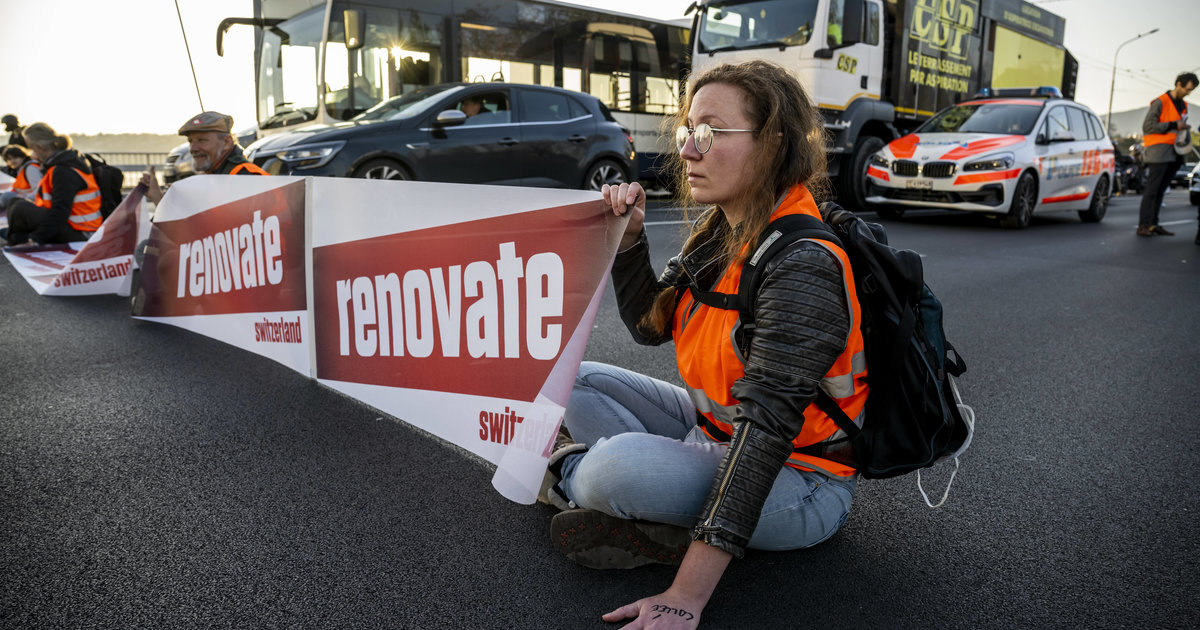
(355, 28)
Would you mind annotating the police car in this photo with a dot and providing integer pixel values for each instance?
(1007, 153)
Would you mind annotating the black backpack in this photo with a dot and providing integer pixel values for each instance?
(109, 179)
(914, 415)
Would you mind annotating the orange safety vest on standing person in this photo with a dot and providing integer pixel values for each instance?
(85, 210)
(709, 362)
(1168, 114)
(21, 185)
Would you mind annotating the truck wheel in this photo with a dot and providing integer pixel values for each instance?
(852, 180)
(1020, 211)
(1099, 204)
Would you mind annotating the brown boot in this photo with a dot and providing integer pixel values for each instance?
(1145, 231)
(1161, 231)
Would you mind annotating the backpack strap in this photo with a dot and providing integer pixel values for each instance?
(778, 235)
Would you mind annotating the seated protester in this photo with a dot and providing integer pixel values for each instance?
(213, 148)
(26, 169)
(66, 204)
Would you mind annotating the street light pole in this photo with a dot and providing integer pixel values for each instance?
(1113, 84)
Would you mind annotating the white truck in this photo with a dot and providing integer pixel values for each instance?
(877, 68)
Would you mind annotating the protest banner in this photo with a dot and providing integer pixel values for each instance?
(225, 258)
(97, 266)
(462, 310)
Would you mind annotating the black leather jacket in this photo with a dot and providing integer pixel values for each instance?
(803, 323)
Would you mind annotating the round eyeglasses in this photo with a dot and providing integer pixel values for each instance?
(702, 136)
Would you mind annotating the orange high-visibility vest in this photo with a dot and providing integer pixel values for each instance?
(1168, 114)
(85, 210)
(709, 362)
(21, 185)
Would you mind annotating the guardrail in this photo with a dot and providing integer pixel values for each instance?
(133, 164)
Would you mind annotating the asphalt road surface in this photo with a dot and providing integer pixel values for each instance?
(154, 478)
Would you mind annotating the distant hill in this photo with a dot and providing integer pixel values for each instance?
(1129, 123)
(126, 142)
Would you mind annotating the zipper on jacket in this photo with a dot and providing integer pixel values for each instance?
(736, 448)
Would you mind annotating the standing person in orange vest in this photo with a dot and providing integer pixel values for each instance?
(213, 149)
(742, 457)
(1163, 123)
(66, 204)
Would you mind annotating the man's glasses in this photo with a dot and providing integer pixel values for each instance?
(702, 135)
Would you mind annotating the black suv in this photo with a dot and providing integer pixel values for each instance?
(471, 133)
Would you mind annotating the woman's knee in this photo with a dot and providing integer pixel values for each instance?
(614, 471)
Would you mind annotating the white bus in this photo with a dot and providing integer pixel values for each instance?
(326, 61)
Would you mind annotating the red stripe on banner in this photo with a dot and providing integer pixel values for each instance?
(1075, 197)
(246, 256)
(878, 173)
(979, 146)
(120, 231)
(482, 308)
(994, 176)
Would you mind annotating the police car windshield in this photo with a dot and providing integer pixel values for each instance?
(1006, 118)
(408, 105)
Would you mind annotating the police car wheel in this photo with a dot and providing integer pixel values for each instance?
(1099, 204)
(1024, 199)
(888, 212)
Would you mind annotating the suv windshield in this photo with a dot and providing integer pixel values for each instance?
(1004, 118)
(756, 24)
(408, 105)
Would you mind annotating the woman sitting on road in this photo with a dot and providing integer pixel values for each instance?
(66, 205)
(742, 458)
(28, 172)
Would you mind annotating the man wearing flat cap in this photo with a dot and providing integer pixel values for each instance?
(213, 150)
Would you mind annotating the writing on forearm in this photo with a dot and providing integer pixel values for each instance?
(663, 609)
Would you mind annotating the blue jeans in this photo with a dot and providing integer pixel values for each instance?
(648, 460)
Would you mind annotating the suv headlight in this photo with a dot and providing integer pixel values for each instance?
(992, 163)
(878, 160)
(310, 155)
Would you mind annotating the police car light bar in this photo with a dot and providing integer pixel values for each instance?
(1045, 91)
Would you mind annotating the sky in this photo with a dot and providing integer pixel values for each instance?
(120, 66)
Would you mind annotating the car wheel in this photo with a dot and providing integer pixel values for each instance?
(604, 172)
(888, 212)
(1023, 201)
(383, 169)
(1099, 205)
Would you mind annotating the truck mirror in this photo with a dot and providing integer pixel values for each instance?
(356, 26)
(854, 17)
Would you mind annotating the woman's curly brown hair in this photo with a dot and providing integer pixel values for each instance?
(790, 150)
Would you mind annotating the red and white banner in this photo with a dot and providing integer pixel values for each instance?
(462, 310)
(226, 257)
(98, 266)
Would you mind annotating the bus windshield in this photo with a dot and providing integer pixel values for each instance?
(1004, 118)
(756, 24)
(287, 72)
